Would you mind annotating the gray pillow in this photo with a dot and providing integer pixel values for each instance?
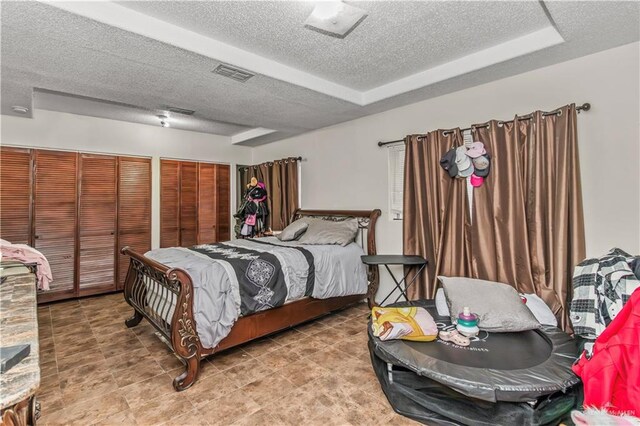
(499, 307)
(330, 232)
(293, 230)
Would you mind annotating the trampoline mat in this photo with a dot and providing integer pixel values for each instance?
(514, 367)
(430, 402)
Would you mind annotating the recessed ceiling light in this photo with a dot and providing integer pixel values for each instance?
(20, 109)
(335, 18)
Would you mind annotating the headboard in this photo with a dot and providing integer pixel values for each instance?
(366, 237)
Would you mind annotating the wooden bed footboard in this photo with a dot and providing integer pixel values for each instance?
(164, 297)
(168, 307)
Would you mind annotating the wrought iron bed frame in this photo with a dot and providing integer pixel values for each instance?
(173, 297)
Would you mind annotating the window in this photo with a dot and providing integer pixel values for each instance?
(396, 181)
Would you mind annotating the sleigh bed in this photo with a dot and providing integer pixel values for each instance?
(165, 297)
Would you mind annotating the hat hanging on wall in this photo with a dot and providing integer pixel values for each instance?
(467, 160)
(448, 162)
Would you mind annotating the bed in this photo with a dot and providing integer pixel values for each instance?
(192, 297)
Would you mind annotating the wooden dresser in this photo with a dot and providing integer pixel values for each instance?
(19, 325)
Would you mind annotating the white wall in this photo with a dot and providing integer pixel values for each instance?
(343, 168)
(55, 130)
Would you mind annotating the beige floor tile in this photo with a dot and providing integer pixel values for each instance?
(230, 358)
(268, 389)
(162, 409)
(140, 393)
(247, 372)
(96, 370)
(137, 370)
(210, 388)
(229, 408)
(303, 371)
(280, 358)
(88, 412)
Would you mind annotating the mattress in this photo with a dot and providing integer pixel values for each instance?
(229, 279)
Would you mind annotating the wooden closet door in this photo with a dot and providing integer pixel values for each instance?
(169, 203)
(188, 204)
(223, 201)
(97, 230)
(15, 195)
(207, 212)
(55, 218)
(134, 209)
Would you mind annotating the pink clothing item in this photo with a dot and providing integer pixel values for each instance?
(27, 254)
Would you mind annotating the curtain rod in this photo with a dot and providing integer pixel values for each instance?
(584, 107)
(271, 162)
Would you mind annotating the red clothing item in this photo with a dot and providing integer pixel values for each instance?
(612, 376)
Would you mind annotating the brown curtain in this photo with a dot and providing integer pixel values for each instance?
(281, 181)
(436, 213)
(528, 227)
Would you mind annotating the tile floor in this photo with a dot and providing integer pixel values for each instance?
(96, 371)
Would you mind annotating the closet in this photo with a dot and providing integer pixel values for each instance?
(78, 209)
(194, 203)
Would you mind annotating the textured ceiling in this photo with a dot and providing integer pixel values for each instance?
(79, 63)
(395, 40)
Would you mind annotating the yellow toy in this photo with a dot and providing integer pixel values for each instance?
(408, 323)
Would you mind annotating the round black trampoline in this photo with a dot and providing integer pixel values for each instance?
(515, 367)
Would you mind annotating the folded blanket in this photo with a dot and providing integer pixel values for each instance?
(27, 254)
(409, 323)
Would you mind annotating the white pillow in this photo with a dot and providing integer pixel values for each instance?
(540, 310)
(441, 303)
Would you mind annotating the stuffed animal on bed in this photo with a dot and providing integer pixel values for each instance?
(403, 323)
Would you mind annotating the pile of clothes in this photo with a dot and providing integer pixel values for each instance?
(253, 211)
(27, 254)
(605, 311)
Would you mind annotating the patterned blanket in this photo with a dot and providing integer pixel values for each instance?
(259, 274)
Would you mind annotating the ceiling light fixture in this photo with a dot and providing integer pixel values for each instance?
(19, 109)
(335, 18)
(164, 120)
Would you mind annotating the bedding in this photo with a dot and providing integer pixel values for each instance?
(293, 231)
(240, 277)
(330, 232)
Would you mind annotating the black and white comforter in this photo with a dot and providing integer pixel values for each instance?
(240, 277)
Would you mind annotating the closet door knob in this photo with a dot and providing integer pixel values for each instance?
(36, 237)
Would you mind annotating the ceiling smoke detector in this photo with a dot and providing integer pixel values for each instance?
(233, 73)
(19, 109)
(335, 18)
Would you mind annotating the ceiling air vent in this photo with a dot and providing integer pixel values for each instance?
(234, 73)
(182, 111)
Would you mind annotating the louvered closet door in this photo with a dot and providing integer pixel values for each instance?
(55, 218)
(207, 216)
(223, 201)
(188, 204)
(134, 209)
(15, 195)
(169, 203)
(98, 210)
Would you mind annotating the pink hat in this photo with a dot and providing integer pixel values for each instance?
(476, 150)
(476, 181)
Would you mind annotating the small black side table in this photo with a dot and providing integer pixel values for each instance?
(397, 259)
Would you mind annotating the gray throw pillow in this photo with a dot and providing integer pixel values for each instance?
(498, 306)
(293, 230)
(330, 232)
